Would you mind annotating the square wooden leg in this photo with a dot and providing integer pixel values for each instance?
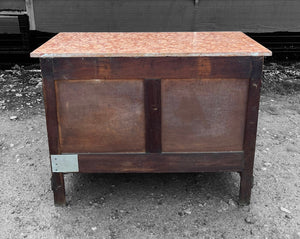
(245, 187)
(58, 188)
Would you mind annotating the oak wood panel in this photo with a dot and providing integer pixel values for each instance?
(203, 115)
(152, 92)
(101, 116)
(250, 129)
(159, 163)
(152, 68)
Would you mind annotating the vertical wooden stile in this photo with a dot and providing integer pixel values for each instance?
(250, 129)
(152, 94)
(57, 179)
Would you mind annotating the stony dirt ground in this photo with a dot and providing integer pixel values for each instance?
(202, 205)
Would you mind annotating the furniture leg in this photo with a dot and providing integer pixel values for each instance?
(250, 130)
(246, 185)
(58, 188)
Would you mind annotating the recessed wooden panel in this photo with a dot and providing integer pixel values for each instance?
(203, 115)
(101, 116)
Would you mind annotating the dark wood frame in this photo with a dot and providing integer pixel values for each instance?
(152, 70)
(250, 130)
(57, 179)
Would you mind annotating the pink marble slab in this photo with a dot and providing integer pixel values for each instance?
(150, 44)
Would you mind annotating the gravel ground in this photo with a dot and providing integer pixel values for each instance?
(197, 205)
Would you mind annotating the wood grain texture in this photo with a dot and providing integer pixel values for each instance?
(203, 115)
(152, 93)
(57, 179)
(101, 116)
(152, 68)
(50, 105)
(250, 129)
(58, 188)
(77, 68)
(160, 163)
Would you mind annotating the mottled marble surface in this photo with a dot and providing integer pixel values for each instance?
(154, 44)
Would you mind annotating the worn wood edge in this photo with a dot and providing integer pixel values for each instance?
(57, 179)
(58, 188)
(50, 104)
(252, 112)
(161, 162)
(251, 130)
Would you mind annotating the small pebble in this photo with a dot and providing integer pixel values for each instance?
(250, 219)
(39, 85)
(231, 202)
(94, 228)
(285, 210)
(187, 211)
(288, 216)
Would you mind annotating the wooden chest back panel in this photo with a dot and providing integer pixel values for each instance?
(100, 116)
(203, 103)
(202, 115)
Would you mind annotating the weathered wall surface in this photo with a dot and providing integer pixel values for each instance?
(167, 15)
(10, 24)
(161, 15)
(12, 4)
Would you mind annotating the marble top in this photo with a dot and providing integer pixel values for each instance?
(150, 44)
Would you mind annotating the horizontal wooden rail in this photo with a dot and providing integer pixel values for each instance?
(161, 162)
